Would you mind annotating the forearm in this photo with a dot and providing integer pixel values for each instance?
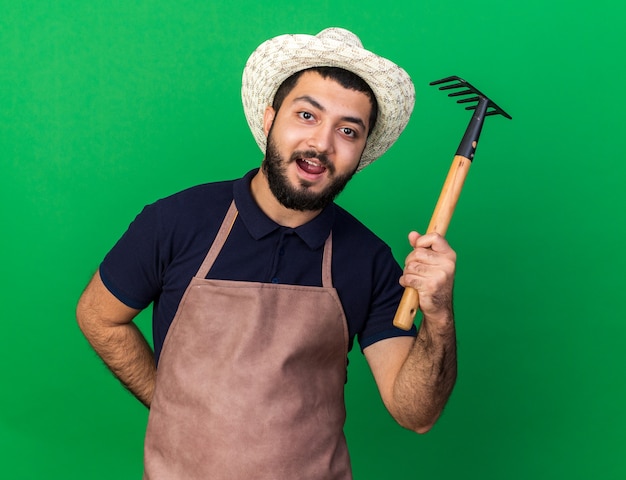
(125, 351)
(427, 377)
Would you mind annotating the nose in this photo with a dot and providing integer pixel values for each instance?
(321, 139)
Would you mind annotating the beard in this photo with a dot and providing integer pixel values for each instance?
(300, 197)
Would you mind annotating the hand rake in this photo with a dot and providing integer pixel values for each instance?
(454, 181)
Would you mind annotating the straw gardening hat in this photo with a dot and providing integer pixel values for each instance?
(277, 59)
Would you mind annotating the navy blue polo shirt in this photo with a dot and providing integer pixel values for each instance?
(155, 259)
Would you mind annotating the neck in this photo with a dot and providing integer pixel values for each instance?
(266, 200)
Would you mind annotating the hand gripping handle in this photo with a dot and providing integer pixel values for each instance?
(439, 222)
(451, 190)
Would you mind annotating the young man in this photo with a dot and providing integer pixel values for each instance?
(260, 285)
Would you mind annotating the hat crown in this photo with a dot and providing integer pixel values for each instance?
(340, 35)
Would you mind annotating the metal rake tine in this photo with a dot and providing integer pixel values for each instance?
(498, 111)
(465, 92)
(488, 112)
(467, 100)
(445, 80)
(493, 109)
(450, 87)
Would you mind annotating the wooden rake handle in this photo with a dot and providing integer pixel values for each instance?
(439, 222)
(451, 190)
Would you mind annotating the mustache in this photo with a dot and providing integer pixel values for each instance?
(321, 157)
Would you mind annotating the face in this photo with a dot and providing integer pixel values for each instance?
(315, 142)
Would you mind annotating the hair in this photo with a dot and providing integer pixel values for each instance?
(344, 77)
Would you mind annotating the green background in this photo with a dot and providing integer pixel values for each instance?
(107, 106)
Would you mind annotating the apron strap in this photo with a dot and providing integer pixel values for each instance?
(218, 243)
(224, 231)
(327, 278)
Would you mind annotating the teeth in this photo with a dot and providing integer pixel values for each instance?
(315, 164)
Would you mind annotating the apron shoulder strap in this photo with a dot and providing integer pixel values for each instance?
(327, 279)
(218, 243)
(224, 231)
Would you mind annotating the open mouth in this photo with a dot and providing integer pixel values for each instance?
(310, 166)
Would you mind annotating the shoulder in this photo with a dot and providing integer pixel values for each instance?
(360, 253)
(349, 232)
(196, 205)
(177, 222)
(198, 197)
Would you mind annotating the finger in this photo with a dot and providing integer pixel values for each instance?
(413, 236)
(426, 258)
(426, 280)
(421, 255)
(433, 240)
(417, 269)
(437, 271)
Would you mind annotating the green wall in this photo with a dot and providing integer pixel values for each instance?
(107, 106)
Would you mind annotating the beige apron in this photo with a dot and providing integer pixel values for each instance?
(250, 383)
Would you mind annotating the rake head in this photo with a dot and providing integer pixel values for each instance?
(468, 89)
(482, 109)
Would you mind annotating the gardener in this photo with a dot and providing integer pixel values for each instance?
(260, 285)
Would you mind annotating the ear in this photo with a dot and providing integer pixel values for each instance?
(268, 119)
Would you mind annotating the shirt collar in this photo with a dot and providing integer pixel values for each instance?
(313, 233)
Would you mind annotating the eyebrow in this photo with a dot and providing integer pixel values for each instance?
(316, 104)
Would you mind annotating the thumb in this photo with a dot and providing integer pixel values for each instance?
(413, 236)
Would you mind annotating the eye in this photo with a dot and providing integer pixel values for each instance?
(348, 132)
(305, 115)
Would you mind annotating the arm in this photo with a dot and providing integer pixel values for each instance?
(415, 377)
(107, 324)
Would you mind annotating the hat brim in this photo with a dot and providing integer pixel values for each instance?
(278, 58)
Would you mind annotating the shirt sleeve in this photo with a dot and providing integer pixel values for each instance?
(131, 271)
(386, 295)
